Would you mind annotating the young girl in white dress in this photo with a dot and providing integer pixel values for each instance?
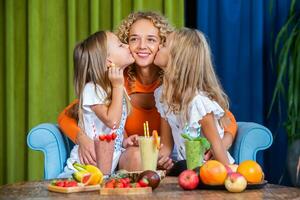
(190, 95)
(99, 62)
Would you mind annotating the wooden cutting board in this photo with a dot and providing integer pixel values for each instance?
(54, 188)
(125, 191)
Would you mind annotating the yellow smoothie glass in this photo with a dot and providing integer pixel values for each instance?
(149, 152)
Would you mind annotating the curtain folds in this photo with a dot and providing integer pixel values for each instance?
(36, 70)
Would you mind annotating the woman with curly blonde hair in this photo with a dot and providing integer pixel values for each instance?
(144, 32)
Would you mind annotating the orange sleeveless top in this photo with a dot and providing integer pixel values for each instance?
(138, 115)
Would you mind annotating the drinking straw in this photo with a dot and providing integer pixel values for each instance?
(186, 129)
(147, 125)
(145, 132)
(198, 131)
(114, 127)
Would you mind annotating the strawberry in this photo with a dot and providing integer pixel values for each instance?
(102, 137)
(70, 183)
(143, 182)
(119, 185)
(60, 183)
(113, 136)
(124, 182)
(127, 180)
(138, 185)
(109, 185)
(108, 138)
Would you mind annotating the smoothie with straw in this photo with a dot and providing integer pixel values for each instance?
(149, 152)
(104, 150)
(195, 148)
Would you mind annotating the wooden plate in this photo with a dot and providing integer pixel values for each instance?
(54, 188)
(222, 187)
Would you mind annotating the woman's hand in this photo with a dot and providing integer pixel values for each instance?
(115, 75)
(131, 141)
(86, 150)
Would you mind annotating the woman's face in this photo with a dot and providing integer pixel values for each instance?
(162, 56)
(144, 41)
(118, 53)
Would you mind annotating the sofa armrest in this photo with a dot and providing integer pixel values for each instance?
(48, 139)
(251, 138)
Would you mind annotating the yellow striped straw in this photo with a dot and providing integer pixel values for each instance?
(145, 132)
(147, 126)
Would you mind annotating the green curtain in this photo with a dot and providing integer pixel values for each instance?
(37, 38)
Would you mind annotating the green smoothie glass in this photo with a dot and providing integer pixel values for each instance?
(194, 151)
(195, 148)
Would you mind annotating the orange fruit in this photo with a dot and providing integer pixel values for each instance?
(251, 170)
(213, 173)
(156, 139)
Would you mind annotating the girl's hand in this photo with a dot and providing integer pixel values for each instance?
(115, 75)
(225, 122)
(208, 155)
(165, 162)
(86, 150)
(131, 141)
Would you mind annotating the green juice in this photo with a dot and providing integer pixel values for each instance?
(194, 151)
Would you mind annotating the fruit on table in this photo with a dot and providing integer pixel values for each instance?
(96, 174)
(64, 183)
(213, 173)
(125, 183)
(235, 182)
(251, 170)
(188, 180)
(143, 182)
(82, 177)
(152, 177)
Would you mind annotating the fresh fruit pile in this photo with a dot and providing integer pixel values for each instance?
(107, 137)
(147, 178)
(125, 183)
(64, 183)
(234, 177)
(87, 174)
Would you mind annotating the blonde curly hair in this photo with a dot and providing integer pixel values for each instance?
(159, 21)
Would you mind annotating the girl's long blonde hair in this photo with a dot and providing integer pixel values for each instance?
(189, 71)
(90, 66)
(159, 21)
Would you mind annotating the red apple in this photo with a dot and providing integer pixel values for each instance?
(235, 182)
(188, 180)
